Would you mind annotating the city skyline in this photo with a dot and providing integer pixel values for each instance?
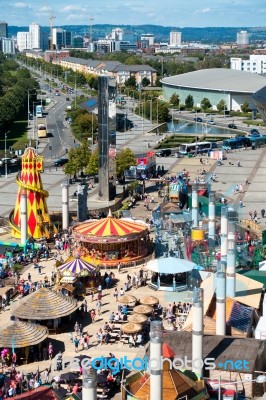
(227, 13)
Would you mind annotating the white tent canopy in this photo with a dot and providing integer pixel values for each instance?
(262, 265)
(170, 265)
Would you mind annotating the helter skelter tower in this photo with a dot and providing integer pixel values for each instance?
(29, 181)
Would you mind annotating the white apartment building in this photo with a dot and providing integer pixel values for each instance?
(7, 45)
(256, 64)
(175, 38)
(23, 41)
(35, 35)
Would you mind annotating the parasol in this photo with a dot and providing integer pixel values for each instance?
(69, 376)
(143, 309)
(127, 299)
(149, 300)
(17, 334)
(131, 327)
(137, 318)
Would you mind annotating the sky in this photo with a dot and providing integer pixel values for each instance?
(175, 13)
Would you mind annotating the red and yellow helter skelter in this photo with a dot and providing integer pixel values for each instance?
(37, 212)
(110, 240)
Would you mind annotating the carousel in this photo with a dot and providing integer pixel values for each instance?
(110, 241)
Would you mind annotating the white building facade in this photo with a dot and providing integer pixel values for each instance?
(242, 38)
(35, 35)
(256, 64)
(175, 38)
(23, 41)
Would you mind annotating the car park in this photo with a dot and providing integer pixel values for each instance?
(164, 153)
(60, 162)
(232, 126)
(198, 119)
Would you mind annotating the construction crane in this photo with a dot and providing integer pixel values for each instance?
(91, 19)
(51, 32)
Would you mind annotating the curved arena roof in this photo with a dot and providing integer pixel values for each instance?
(218, 79)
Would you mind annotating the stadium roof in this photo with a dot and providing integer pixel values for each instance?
(218, 79)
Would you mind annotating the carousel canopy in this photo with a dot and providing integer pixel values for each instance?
(44, 304)
(170, 265)
(108, 227)
(19, 334)
(77, 266)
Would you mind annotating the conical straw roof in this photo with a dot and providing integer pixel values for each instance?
(19, 334)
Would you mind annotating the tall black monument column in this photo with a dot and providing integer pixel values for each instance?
(103, 137)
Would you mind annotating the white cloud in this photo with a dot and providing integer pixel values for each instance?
(21, 4)
(72, 8)
(205, 10)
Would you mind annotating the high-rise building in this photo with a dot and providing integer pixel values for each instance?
(175, 38)
(35, 35)
(61, 38)
(149, 37)
(242, 39)
(3, 29)
(7, 45)
(117, 34)
(23, 41)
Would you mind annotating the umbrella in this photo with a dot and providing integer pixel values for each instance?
(127, 299)
(170, 265)
(143, 309)
(69, 376)
(131, 327)
(149, 300)
(137, 318)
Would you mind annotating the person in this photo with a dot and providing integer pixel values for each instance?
(112, 317)
(75, 388)
(50, 350)
(119, 267)
(116, 294)
(93, 315)
(238, 163)
(241, 203)
(39, 269)
(262, 213)
(121, 292)
(131, 341)
(99, 307)
(46, 375)
(139, 339)
(76, 344)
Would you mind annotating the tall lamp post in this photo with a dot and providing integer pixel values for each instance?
(5, 155)
(29, 90)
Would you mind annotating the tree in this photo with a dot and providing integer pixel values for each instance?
(205, 104)
(174, 100)
(78, 159)
(221, 106)
(245, 107)
(124, 160)
(131, 82)
(145, 82)
(93, 166)
(189, 102)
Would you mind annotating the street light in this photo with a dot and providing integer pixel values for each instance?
(29, 105)
(5, 155)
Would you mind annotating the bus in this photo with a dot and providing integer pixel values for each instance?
(257, 141)
(236, 143)
(196, 148)
(41, 127)
(38, 111)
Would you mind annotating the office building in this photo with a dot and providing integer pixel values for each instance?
(149, 37)
(23, 41)
(117, 34)
(242, 39)
(61, 38)
(3, 29)
(35, 35)
(77, 42)
(175, 38)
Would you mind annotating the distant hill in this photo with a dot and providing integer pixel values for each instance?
(162, 33)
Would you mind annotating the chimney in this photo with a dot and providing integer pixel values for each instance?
(224, 231)
(211, 224)
(197, 332)
(65, 205)
(221, 299)
(194, 212)
(23, 217)
(156, 384)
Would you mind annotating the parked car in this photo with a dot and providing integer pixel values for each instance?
(232, 126)
(164, 153)
(254, 132)
(198, 119)
(67, 99)
(60, 162)
(211, 122)
(8, 161)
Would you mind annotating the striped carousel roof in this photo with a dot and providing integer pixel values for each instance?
(76, 266)
(109, 227)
